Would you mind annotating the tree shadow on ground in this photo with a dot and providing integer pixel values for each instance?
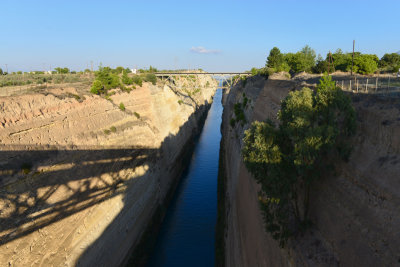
(40, 186)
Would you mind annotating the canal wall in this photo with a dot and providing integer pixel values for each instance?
(81, 179)
(355, 211)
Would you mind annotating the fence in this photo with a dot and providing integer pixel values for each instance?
(371, 85)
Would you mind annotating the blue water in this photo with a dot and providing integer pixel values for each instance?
(187, 234)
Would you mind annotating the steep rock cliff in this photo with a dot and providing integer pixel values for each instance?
(81, 178)
(355, 211)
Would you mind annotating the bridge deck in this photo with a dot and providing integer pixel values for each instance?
(200, 73)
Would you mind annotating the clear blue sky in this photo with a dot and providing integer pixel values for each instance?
(213, 35)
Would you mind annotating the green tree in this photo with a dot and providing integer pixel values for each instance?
(119, 69)
(390, 62)
(275, 58)
(322, 66)
(303, 60)
(312, 136)
(366, 64)
(341, 61)
(62, 70)
(152, 69)
(1, 71)
(276, 61)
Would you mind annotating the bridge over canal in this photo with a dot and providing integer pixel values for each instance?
(228, 77)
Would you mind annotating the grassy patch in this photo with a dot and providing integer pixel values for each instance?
(77, 97)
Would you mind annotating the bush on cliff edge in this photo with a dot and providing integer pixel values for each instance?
(312, 135)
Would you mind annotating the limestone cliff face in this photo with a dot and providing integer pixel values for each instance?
(81, 178)
(356, 212)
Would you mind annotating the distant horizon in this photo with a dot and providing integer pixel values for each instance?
(231, 36)
(95, 68)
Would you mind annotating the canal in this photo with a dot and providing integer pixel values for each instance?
(187, 234)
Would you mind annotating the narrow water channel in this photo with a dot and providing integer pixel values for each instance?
(187, 235)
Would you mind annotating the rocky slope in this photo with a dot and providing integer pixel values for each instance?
(356, 211)
(80, 178)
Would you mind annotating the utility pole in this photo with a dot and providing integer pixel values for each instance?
(91, 65)
(352, 60)
(6, 68)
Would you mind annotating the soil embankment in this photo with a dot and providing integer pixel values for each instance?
(81, 178)
(355, 210)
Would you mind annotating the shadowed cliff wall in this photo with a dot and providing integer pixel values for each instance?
(356, 210)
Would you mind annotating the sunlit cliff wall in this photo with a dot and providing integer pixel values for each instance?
(80, 179)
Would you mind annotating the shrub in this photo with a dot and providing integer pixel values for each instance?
(77, 97)
(137, 115)
(122, 106)
(126, 80)
(137, 79)
(239, 113)
(180, 102)
(232, 122)
(113, 129)
(107, 132)
(26, 167)
(71, 79)
(97, 87)
(311, 137)
(150, 77)
(107, 78)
